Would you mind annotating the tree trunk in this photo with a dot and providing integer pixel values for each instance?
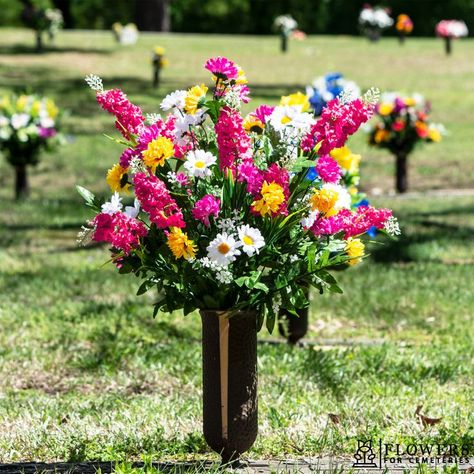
(22, 189)
(153, 15)
(401, 172)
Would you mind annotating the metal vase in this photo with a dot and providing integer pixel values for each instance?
(229, 363)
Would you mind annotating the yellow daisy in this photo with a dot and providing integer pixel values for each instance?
(194, 99)
(296, 99)
(355, 250)
(324, 200)
(157, 152)
(252, 124)
(272, 198)
(117, 178)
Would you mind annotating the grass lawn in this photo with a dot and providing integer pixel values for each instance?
(87, 374)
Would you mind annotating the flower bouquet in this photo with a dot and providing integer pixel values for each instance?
(28, 124)
(49, 20)
(125, 34)
(449, 29)
(285, 25)
(328, 87)
(404, 26)
(403, 122)
(373, 20)
(217, 213)
(159, 61)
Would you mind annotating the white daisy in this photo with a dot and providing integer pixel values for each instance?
(47, 122)
(198, 162)
(112, 206)
(343, 196)
(251, 239)
(19, 120)
(175, 100)
(290, 116)
(184, 123)
(223, 249)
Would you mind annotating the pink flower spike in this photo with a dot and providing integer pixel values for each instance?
(223, 68)
(205, 207)
(328, 169)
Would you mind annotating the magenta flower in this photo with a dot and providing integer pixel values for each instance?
(156, 201)
(328, 169)
(223, 68)
(129, 117)
(127, 156)
(232, 141)
(337, 122)
(119, 230)
(205, 207)
(247, 172)
(364, 218)
(182, 179)
(47, 132)
(262, 112)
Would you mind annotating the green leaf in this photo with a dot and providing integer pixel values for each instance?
(144, 287)
(87, 196)
(270, 321)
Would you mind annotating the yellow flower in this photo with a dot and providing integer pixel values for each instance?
(298, 98)
(385, 109)
(434, 135)
(409, 101)
(159, 50)
(117, 178)
(355, 250)
(324, 200)
(164, 62)
(35, 108)
(194, 99)
(180, 245)
(21, 103)
(346, 159)
(381, 136)
(242, 79)
(157, 152)
(272, 197)
(51, 108)
(252, 124)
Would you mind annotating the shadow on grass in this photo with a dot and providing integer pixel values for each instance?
(30, 49)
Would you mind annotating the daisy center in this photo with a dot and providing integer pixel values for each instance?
(200, 164)
(223, 248)
(247, 240)
(285, 120)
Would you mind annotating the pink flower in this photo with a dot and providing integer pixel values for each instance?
(262, 112)
(232, 141)
(364, 218)
(119, 230)
(337, 122)
(47, 132)
(328, 169)
(126, 157)
(156, 201)
(330, 225)
(223, 68)
(249, 173)
(205, 207)
(129, 116)
(182, 179)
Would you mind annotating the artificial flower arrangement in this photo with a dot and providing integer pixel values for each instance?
(404, 26)
(216, 212)
(403, 122)
(159, 61)
(28, 125)
(328, 87)
(43, 20)
(373, 20)
(285, 25)
(125, 34)
(451, 29)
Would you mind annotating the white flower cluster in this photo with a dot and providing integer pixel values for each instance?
(94, 82)
(152, 118)
(85, 235)
(392, 227)
(376, 16)
(276, 303)
(285, 24)
(222, 273)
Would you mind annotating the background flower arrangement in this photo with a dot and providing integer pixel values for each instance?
(328, 87)
(28, 125)
(402, 123)
(223, 203)
(404, 26)
(159, 61)
(285, 25)
(125, 34)
(373, 20)
(451, 29)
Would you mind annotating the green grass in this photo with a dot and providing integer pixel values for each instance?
(87, 374)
